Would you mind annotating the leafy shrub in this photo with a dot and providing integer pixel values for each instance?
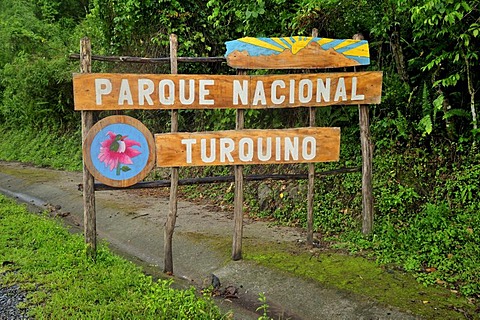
(431, 229)
(38, 93)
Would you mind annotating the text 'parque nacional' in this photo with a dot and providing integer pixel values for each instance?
(128, 91)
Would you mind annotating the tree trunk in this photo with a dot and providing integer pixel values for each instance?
(398, 56)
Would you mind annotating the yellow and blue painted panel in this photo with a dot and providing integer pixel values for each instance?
(296, 52)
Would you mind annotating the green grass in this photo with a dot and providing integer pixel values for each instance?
(50, 264)
(46, 148)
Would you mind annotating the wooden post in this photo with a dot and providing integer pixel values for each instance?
(172, 213)
(311, 175)
(238, 201)
(367, 159)
(89, 215)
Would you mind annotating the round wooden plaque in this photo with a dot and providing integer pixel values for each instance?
(119, 151)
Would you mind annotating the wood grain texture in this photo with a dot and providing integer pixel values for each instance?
(173, 202)
(311, 174)
(89, 213)
(112, 91)
(242, 147)
(367, 170)
(239, 195)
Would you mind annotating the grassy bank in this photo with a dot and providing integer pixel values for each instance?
(47, 147)
(50, 264)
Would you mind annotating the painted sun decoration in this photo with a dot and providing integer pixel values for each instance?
(296, 52)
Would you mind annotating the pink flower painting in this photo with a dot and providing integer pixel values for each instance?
(117, 151)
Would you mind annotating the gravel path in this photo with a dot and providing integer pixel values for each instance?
(9, 299)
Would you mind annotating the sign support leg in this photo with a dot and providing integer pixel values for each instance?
(238, 206)
(367, 158)
(89, 214)
(311, 175)
(172, 213)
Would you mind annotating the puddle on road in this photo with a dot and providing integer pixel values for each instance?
(23, 197)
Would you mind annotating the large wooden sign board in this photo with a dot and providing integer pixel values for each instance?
(141, 91)
(107, 143)
(300, 145)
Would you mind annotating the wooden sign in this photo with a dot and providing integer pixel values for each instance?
(140, 91)
(296, 53)
(119, 151)
(300, 145)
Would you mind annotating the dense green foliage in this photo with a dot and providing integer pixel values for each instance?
(425, 132)
(50, 264)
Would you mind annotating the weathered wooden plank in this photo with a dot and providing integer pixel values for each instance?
(147, 91)
(299, 145)
(296, 53)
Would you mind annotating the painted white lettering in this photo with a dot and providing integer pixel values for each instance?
(204, 92)
(341, 91)
(240, 91)
(227, 145)
(145, 89)
(125, 94)
(278, 149)
(277, 99)
(166, 92)
(191, 92)
(323, 90)
(309, 143)
(259, 95)
(245, 149)
(291, 148)
(291, 98)
(355, 96)
(102, 87)
(188, 148)
(203, 150)
(268, 149)
(305, 90)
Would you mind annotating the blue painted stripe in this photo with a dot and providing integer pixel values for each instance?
(252, 50)
(285, 42)
(332, 44)
(361, 60)
(351, 46)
